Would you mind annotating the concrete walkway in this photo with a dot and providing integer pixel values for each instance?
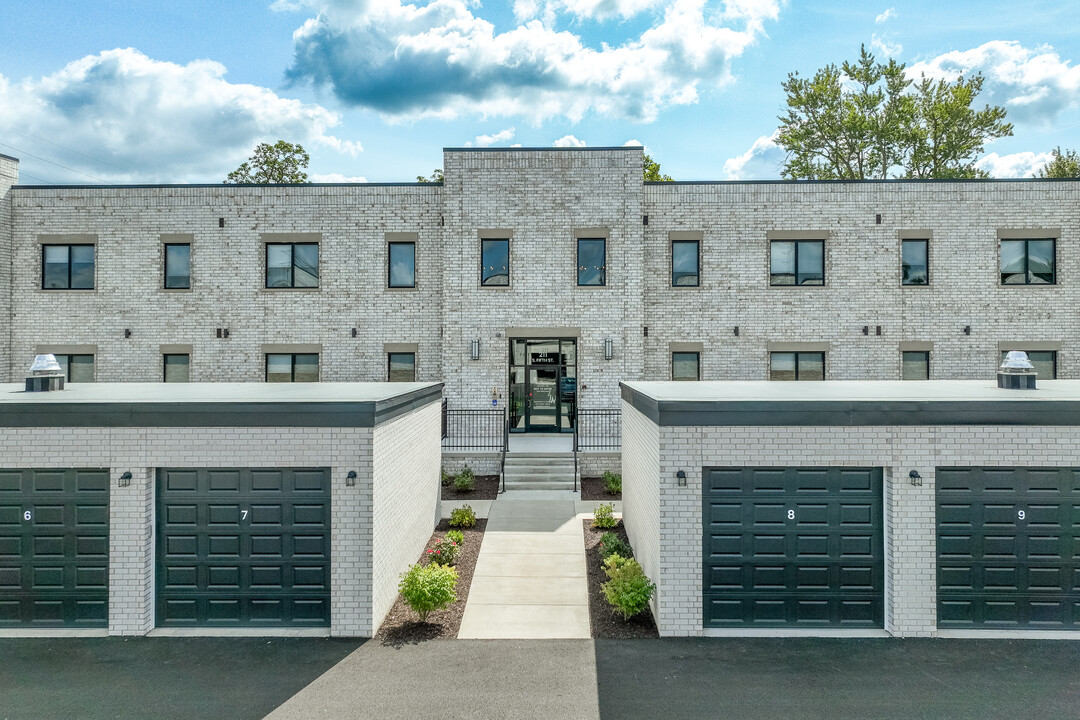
(530, 578)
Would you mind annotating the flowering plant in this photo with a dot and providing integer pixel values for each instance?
(444, 552)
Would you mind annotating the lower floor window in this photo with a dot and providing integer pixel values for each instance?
(685, 366)
(401, 367)
(77, 368)
(292, 367)
(797, 366)
(915, 365)
(177, 368)
(1045, 362)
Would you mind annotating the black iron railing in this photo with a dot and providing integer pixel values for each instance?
(477, 430)
(597, 430)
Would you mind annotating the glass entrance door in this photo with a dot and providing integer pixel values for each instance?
(543, 385)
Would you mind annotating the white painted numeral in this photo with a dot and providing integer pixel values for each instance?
(790, 514)
(26, 515)
(243, 514)
(1020, 514)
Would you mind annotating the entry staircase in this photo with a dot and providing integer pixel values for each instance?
(539, 471)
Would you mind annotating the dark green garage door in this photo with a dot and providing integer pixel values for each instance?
(54, 548)
(242, 547)
(1008, 544)
(793, 547)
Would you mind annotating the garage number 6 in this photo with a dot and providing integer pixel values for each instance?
(26, 515)
(790, 514)
(1020, 514)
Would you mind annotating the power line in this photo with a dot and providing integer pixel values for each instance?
(42, 181)
(65, 167)
(65, 147)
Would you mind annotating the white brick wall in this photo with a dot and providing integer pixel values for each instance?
(9, 175)
(642, 508)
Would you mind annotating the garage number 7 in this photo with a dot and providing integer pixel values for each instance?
(243, 514)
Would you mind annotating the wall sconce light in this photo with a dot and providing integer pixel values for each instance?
(127, 334)
(608, 349)
(967, 329)
(865, 329)
(350, 479)
(125, 479)
(915, 478)
(736, 331)
(474, 348)
(681, 476)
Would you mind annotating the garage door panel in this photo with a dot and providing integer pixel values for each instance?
(856, 546)
(223, 577)
(769, 546)
(854, 514)
(91, 577)
(813, 578)
(811, 546)
(856, 481)
(314, 577)
(267, 481)
(809, 515)
(48, 516)
(270, 515)
(218, 481)
(810, 482)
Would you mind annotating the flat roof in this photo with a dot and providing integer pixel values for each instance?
(854, 403)
(329, 404)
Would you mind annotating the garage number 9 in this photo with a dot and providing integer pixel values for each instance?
(790, 514)
(1020, 514)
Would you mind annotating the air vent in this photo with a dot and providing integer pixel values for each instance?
(1016, 372)
(45, 375)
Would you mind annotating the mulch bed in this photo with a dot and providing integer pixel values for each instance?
(592, 488)
(487, 488)
(606, 623)
(401, 626)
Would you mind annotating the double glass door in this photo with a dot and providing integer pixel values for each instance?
(543, 385)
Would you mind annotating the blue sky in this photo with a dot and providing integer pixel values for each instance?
(147, 91)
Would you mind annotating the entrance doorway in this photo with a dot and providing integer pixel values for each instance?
(543, 385)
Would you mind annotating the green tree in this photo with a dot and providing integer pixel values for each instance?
(436, 177)
(867, 119)
(651, 171)
(1062, 165)
(281, 162)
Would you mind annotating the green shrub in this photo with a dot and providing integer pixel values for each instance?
(427, 588)
(613, 563)
(447, 479)
(612, 544)
(612, 482)
(465, 480)
(456, 535)
(628, 591)
(444, 552)
(604, 516)
(462, 517)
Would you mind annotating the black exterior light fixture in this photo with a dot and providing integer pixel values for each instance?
(608, 349)
(915, 478)
(681, 477)
(125, 479)
(350, 479)
(474, 348)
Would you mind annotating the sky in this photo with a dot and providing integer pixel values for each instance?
(142, 91)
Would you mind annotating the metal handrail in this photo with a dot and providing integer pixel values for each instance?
(598, 429)
(577, 420)
(475, 430)
(506, 443)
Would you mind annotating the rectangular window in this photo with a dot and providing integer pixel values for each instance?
(797, 366)
(915, 365)
(495, 262)
(914, 265)
(1028, 262)
(685, 366)
(685, 263)
(401, 266)
(797, 262)
(592, 261)
(178, 267)
(401, 367)
(292, 265)
(77, 368)
(177, 368)
(67, 267)
(1045, 362)
(292, 367)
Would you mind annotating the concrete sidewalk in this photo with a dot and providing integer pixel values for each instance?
(530, 577)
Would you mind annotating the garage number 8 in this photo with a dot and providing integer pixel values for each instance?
(790, 514)
(1020, 514)
(26, 515)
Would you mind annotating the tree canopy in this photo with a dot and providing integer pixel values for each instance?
(1062, 165)
(281, 162)
(436, 177)
(651, 171)
(868, 119)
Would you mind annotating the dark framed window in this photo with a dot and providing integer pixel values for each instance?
(797, 366)
(77, 368)
(915, 365)
(177, 367)
(592, 261)
(797, 262)
(292, 265)
(1028, 262)
(685, 366)
(178, 267)
(292, 367)
(495, 263)
(1045, 362)
(401, 265)
(914, 262)
(401, 367)
(685, 263)
(67, 267)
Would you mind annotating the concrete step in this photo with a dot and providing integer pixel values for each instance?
(530, 485)
(540, 478)
(539, 469)
(539, 460)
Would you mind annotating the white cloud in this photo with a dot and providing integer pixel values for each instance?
(489, 140)
(568, 141)
(441, 59)
(286, 6)
(1034, 85)
(335, 178)
(1014, 165)
(633, 143)
(763, 161)
(582, 9)
(156, 121)
(883, 17)
(883, 47)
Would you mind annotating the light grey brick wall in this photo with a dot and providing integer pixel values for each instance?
(643, 509)
(131, 552)
(9, 175)
(406, 490)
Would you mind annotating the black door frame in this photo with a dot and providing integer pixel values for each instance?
(560, 373)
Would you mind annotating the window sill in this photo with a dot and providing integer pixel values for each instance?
(62, 290)
(414, 288)
(1031, 286)
(290, 290)
(175, 290)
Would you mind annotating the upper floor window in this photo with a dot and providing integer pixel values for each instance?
(1028, 262)
(685, 263)
(494, 262)
(685, 366)
(292, 265)
(401, 265)
(178, 267)
(401, 367)
(67, 267)
(292, 367)
(1045, 362)
(592, 261)
(77, 368)
(797, 262)
(797, 366)
(915, 365)
(914, 265)
(177, 367)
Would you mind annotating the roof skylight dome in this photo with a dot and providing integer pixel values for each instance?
(1016, 361)
(45, 365)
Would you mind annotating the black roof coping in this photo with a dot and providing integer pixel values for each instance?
(9, 157)
(541, 149)
(891, 181)
(151, 186)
